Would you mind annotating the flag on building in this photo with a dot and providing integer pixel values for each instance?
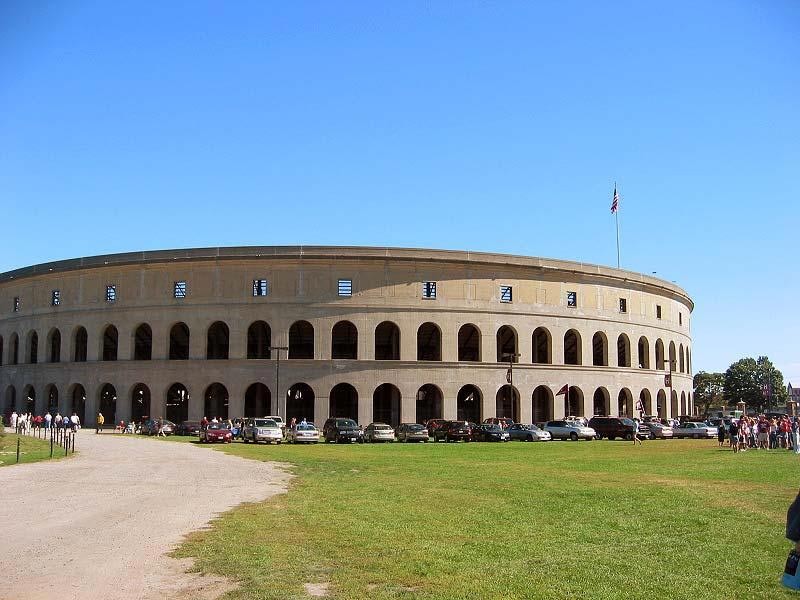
(508, 376)
(563, 390)
(615, 201)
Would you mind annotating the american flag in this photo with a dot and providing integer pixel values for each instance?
(615, 202)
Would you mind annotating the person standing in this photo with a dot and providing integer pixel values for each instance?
(76, 422)
(796, 435)
(733, 432)
(721, 433)
(14, 419)
(48, 421)
(100, 422)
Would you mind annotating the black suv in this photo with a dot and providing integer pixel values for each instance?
(342, 430)
(452, 431)
(613, 427)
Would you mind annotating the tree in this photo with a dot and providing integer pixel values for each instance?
(757, 383)
(708, 389)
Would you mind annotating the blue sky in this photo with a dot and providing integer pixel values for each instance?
(468, 125)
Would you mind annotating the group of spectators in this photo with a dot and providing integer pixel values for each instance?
(25, 423)
(761, 433)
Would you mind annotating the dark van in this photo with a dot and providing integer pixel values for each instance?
(613, 427)
(342, 430)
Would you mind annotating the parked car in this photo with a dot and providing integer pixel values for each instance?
(504, 422)
(614, 427)
(569, 430)
(262, 430)
(490, 432)
(453, 431)
(659, 430)
(342, 430)
(694, 429)
(279, 421)
(434, 424)
(644, 431)
(412, 432)
(303, 433)
(188, 428)
(150, 427)
(216, 432)
(378, 432)
(528, 433)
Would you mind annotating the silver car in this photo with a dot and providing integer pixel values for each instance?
(379, 432)
(569, 430)
(694, 429)
(262, 430)
(528, 433)
(659, 430)
(303, 433)
(412, 432)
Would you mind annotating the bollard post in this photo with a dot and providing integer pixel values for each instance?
(51, 446)
(17, 449)
(66, 445)
(73, 442)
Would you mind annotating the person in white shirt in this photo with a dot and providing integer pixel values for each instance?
(14, 418)
(48, 420)
(76, 422)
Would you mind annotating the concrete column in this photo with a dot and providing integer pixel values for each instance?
(125, 340)
(408, 340)
(197, 403)
(557, 349)
(236, 399)
(525, 347)
(123, 411)
(366, 338)
(237, 343)
(198, 338)
(160, 348)
(449, 345)
(364, 407)
(450, 404)
(558, 404)
(525, 404)
(321, 409)
(408, 405)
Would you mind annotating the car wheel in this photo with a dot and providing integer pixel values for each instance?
(628, 437)
(696, 436)
(599, 436)
(573, 436)
(529, 438)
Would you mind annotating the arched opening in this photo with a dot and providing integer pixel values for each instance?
(216, 401)
(387, 341)
(683, 404)
(429, 342)
(108, 403)
(344, 341)
(469, 403)
(301, 340)
(573, 402)
(646, 402)
(572, 348)
(110, 343)
(661, 404)
(644, 353)
(33, 347)
(177, 405)
(599, 349)
(51, 398)
(217, 341)
(672, 360)
(81, 343)
(625, 406)
(78, 402)
(659, 355)
(14, 349)
(343, 402)
(469, 343)
(140, 403)
(507, 403)
(674, 405)
(257, 400)
(681, 361)
(429, 403)
(29, 399)
(623, 351)
(10, 400)
(179, 344)
(507, 344)
(259, 339)
(143, 343)
(542, 404)
(300, 403)
(54, 346)
(386, 404)
(601, 402)
(1, 349)
(542, 346)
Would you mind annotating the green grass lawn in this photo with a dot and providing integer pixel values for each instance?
(669, 519)
(31, 449)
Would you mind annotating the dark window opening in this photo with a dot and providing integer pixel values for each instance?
(259, 339)
(110, 343)
(301, 340)
(344, 341)
(429, 342)
(81, 344)
(179, 343)
(143, 343)
(387, 341)
(469, 344)
(218, 340)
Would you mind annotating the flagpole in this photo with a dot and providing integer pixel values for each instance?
(616, 218)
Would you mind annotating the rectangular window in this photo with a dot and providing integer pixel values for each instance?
(429, 290)
(680, 318)
(180, 289)
(111, 293)
(346, 287)
(16, 303)
(623, 305)
(658, 311)
(260, 287)
(56, 299)
(505, 293)
(572, 299)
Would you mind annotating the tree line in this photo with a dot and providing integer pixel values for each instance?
(754, 381)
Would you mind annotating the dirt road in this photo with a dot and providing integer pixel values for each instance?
(99, 525)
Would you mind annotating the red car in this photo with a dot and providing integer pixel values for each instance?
(453, 431)
(216, 432)
(434, 424)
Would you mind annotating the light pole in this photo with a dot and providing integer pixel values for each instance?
(281, 407)
(668, 383)
(510, 376)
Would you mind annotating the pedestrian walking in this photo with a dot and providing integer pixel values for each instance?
(100, 422)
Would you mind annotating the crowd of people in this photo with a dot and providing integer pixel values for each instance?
(761, 433)
(26, 423)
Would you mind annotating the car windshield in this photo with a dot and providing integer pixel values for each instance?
(493, 428)
(217, 426)
(382, 428)
(264, 423)
(415, 427)
(346, 423)
(531, 427)
(306, 427)
(627, 422)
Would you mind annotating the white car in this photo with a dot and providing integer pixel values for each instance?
(569, 430)
(278, 420)
(303, 433)
(694, 429)
(379, 432)
(262, 430)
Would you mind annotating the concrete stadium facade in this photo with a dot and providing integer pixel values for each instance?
(382, 334)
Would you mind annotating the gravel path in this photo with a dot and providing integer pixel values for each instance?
(99, 525)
